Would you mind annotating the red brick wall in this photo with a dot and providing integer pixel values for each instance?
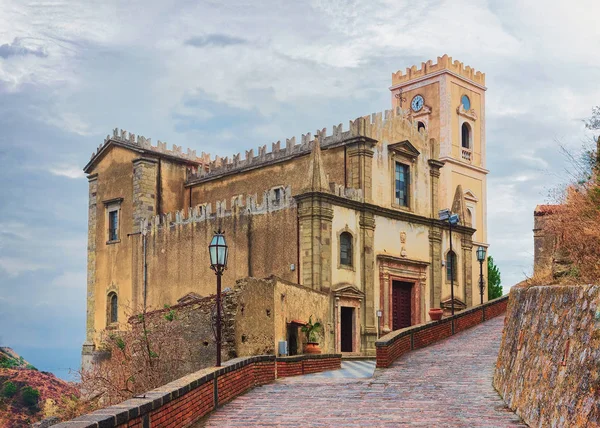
(468, 321)
(185, 409)
(431, 335)
(494, 311)
(234, 383)
(322, 364)
(183, 402)
(395, 344)
(307, 364)
(286, 369)
(393, 352)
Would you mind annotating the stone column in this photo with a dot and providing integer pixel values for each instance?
(360, 166)
(467, 248)
(367, 231)
(315, 218)
(90, 331)
(436, 271)
(144, 190)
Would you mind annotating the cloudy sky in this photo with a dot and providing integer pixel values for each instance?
(224, 76)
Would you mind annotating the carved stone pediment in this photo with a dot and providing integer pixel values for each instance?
(348, 290)
(470, 114)
(404, 148)
(459, 305)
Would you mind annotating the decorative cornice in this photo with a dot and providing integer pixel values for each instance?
(463, 164)
(469, 114)
(404, 148)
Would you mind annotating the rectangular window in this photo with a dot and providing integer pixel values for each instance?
(113, 225)
(402, 180)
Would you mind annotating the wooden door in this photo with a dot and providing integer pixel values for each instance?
(346, 329)
(401, 315)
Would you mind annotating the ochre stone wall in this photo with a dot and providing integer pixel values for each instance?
(548, 368)
(178, 261)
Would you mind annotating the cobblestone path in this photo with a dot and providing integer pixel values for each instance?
(448, 384)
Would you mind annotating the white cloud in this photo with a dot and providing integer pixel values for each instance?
(14, 266)
(69, 171)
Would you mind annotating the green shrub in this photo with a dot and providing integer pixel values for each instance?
(9, 389)
(30, 396)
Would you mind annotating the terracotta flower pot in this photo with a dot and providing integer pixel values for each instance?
(312, 348)
(435, 314)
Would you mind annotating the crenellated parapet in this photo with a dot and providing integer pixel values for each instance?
(139, 141)
(443, 63)
(275, 199)
(370, 126)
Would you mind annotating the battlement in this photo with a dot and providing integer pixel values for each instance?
(142, 142)
(275, 199)
(366, 126)
(443, 63)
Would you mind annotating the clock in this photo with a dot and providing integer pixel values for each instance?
(417, 103)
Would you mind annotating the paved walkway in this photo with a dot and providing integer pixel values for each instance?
(351, 369)
(448, 384)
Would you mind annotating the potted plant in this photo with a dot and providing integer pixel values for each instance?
(312, 330)
(436, 314)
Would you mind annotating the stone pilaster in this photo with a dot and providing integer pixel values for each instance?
(88, 346)
(144, 190)
(467, 248)
(367, 231)
(436, 271)
(360, 166)
(434, 173)
(315, 220)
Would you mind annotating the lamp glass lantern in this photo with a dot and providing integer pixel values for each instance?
(481, 254)
(218, 252)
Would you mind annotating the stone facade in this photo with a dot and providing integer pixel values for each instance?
(370, 193)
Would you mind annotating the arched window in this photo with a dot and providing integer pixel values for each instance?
(113, 307)
(466, 135)
(420, 126)
(346, 249)
(451, 266)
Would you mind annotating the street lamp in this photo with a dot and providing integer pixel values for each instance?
(379, 315)
(481, 258)
(218, 262)
(452, 219)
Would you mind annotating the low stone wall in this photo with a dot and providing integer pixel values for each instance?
(548, 368)
(397, 343)
(307, 363)
(186, 400)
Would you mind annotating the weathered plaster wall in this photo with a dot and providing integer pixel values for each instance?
(548, 367)
(294, 302)
(178, 262)
(259, 179)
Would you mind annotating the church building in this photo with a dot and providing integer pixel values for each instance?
(351, 213)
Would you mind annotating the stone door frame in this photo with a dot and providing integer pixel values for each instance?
(351, 297)
(404, 270)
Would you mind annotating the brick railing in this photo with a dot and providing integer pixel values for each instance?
(305, 364)
(186, 400)
(399, 342)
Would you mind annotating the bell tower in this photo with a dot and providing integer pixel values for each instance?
(447, 100)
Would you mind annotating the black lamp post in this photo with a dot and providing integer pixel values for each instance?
(452, 219)
(218, 262)
(481, 258)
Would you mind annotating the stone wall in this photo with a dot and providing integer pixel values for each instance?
(548, 368)
(255, 316)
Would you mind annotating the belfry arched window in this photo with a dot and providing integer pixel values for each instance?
(466, 135)
(113, 308)
(346, 249)
(451, 266)
(420, 126)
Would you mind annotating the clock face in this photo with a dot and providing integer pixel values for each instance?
(417, 103)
